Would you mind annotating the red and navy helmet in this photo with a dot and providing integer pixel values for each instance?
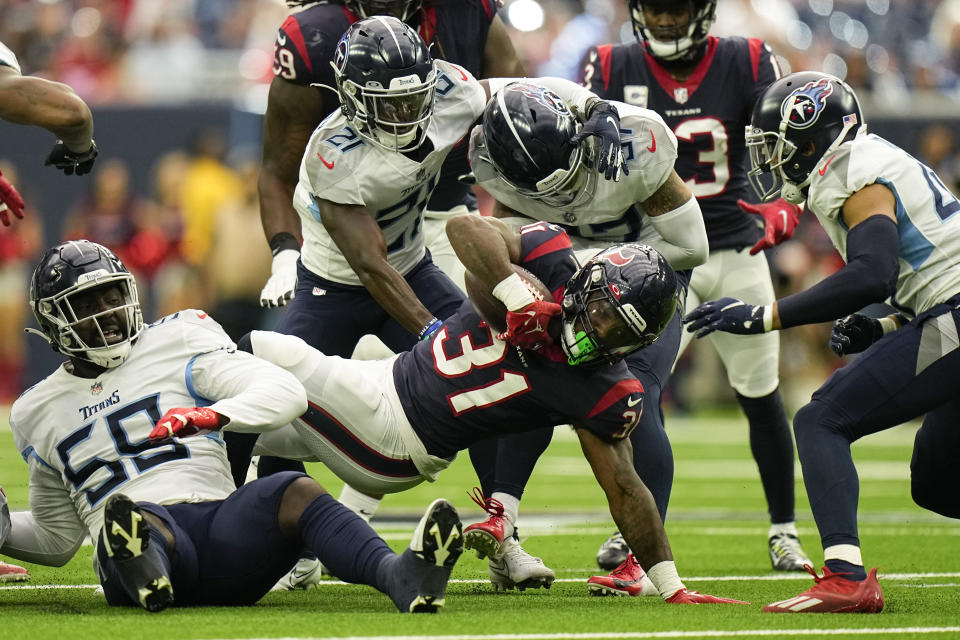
(618, 302)
(73, 268)
(797, 121)
(679, 41)
(386, 80)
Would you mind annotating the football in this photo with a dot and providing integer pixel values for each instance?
(492, 310)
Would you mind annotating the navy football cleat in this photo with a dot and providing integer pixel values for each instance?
(420, 575)
(126, 538)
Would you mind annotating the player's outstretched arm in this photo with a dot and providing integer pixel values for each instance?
(51, 105)
(486, 246)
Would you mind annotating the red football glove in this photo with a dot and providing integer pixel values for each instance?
(780, 218)
(183, 422)
(685, 596)
(527, 328)
(10, 200)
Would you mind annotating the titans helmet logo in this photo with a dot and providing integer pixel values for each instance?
(340, 55)
(544, 96)
(803, 107)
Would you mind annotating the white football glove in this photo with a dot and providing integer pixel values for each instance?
(283, 279)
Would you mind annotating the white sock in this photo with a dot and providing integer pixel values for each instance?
(789, 528)
(846, 552)
(665, 578)
(511, 509)
(360, 503)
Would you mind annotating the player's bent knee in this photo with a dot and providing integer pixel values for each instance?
(298, 494)
(938, 497)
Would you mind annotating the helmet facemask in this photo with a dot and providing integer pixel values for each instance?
(396, 117)
(102, 337)
(674, 42)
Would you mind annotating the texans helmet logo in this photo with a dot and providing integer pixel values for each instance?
(545, 97)
(616, 257)
(803, 107)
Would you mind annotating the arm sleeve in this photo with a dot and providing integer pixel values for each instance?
(869, 276)
(255, 394)
(682, 236)
(51, 532)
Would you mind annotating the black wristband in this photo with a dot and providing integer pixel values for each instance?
(282, 241)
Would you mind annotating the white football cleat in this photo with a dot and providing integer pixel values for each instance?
(306, 574)
(514, 568)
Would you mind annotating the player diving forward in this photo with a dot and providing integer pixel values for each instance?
(386, 425)
(896, 226)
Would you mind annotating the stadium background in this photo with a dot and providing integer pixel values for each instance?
(178, 88)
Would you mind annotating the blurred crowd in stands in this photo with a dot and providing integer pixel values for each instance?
(193, 238)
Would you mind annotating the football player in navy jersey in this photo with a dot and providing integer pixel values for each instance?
(896, 226)
(387, 425)
(169, 524)
(704, 88)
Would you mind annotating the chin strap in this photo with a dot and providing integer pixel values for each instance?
(39, 333)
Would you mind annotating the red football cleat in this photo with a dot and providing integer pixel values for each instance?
(486, 537)
(629, 579)
(685, 596)
(833, 593)
(13, 573)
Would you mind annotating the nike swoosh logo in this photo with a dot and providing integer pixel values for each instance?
(632, 402)
(282, 39)
(613, 123)
(783, 214)
(328, 165)
(824, 170)
(653, 143)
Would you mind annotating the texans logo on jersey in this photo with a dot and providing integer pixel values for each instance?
(804, 106)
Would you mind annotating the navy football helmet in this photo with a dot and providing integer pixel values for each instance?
(797, 121)
(386, 80)
(677, 41)
(618, 302)
(400, 9)
(77, 267)
(526, 134)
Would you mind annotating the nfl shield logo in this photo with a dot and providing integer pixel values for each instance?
(680, 95)
(96, 388)
(636, 94)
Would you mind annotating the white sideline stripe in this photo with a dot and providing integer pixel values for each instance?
(706, 633)
(789, 576)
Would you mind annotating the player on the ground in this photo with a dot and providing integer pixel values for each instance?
(519, 156)
(704, 88)
(53, 106)
(895, 224)
(365, 178)
(174, 529)
(386, 425)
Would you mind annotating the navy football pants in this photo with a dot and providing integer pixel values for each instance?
(906, 374)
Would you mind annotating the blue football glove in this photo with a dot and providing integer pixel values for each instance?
(604, 123)
(854, 334)
(726, 314)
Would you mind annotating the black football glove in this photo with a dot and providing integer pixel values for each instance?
(70, 162)
(604, 123)
(725, 314)
(854, 334)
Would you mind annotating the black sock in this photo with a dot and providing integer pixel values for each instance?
(856, 571)
(772, 447)
(345, 544)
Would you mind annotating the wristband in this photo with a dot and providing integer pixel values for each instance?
(281, 241)
(888, 324)
(768, 318)
(513, 292)
(429, 328)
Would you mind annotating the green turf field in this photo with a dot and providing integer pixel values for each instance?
(717, 525)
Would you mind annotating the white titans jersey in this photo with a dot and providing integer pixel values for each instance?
(340, 167)
(649, 149)
(86, 438)
(8, 59)
(927, 215)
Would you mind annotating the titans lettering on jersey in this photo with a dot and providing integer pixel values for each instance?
(92, 433)
(707, 113)
(927, 215)
(340, 167)
(456, 32)
(464, 384)
(649, 149)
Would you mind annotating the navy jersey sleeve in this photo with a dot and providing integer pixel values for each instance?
(305, 44)
(546, 251)
(766, 69)
(595, 71)
(617, 412)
